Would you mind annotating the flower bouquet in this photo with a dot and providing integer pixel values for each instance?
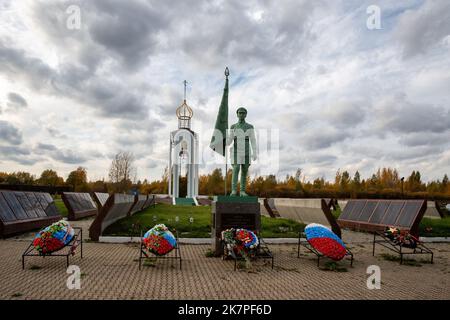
(241, 243)
(53, 237)
(401, 237)
(159, 240)
(325, 241)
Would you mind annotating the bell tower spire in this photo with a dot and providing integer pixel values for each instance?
(185, 84)
(184, 112)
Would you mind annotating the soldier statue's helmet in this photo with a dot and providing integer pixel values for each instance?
(241, 109)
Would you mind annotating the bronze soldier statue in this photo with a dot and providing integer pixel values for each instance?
(243, 150)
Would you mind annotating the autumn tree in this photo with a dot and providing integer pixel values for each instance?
(373, 183)
(345, 181)
(77, 179)
(356, 182)
(414, 182)
(98, 186)
(319, 183)
(20, 177)
(3, 177)
(122, 171)
(215, 182)
(444, 185)
(256, 186)
(165, 181)
(50, 178)
(337, 179)
(389, 178)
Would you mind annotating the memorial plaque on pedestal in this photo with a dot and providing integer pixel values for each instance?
(233, 212)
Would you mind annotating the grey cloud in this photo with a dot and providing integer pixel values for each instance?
(14, 151)
(424, 139)
(398, 115)
(113, 33)
(17, 154)
(130, 32)
(46, 147)
(420, 30)
(150, 162)
(9, 133)
(16, 101)
(55, 133)
(51, 19)
(167, 109)
(278, 38)
(17, 63)
(95, 154)
(153, 164)
(126, 33)
(362, 149)
(26, 161)
(145, 126)
(345, 114)
(128, 29)
(139, 137)
(323, 137)
(106, 97)
(293, 120)
(414, 154)
(65, 156)
(68, 156)
(324, 159)
(293, 159)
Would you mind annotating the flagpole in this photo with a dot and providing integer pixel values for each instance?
(226, 167)
(227, 73)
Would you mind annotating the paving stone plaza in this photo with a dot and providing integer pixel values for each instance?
(110, 271)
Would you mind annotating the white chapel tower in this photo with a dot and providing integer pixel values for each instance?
(183, 156)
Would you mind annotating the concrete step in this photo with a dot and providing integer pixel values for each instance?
(184, 202)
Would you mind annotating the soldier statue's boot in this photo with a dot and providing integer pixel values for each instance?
(234, 180)
(244, 180)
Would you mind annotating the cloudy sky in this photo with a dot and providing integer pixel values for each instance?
(340, 95)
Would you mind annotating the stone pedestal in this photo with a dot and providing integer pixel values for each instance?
(233, 212)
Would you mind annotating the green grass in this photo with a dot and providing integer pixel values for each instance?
(435, 227)
(164, 213)
(201, 225)
(280, 228)
(199, 228)
(61, 207)
(209, 253)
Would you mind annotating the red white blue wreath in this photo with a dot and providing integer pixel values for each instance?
(325, 241)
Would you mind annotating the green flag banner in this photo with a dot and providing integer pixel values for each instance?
(220, 129)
